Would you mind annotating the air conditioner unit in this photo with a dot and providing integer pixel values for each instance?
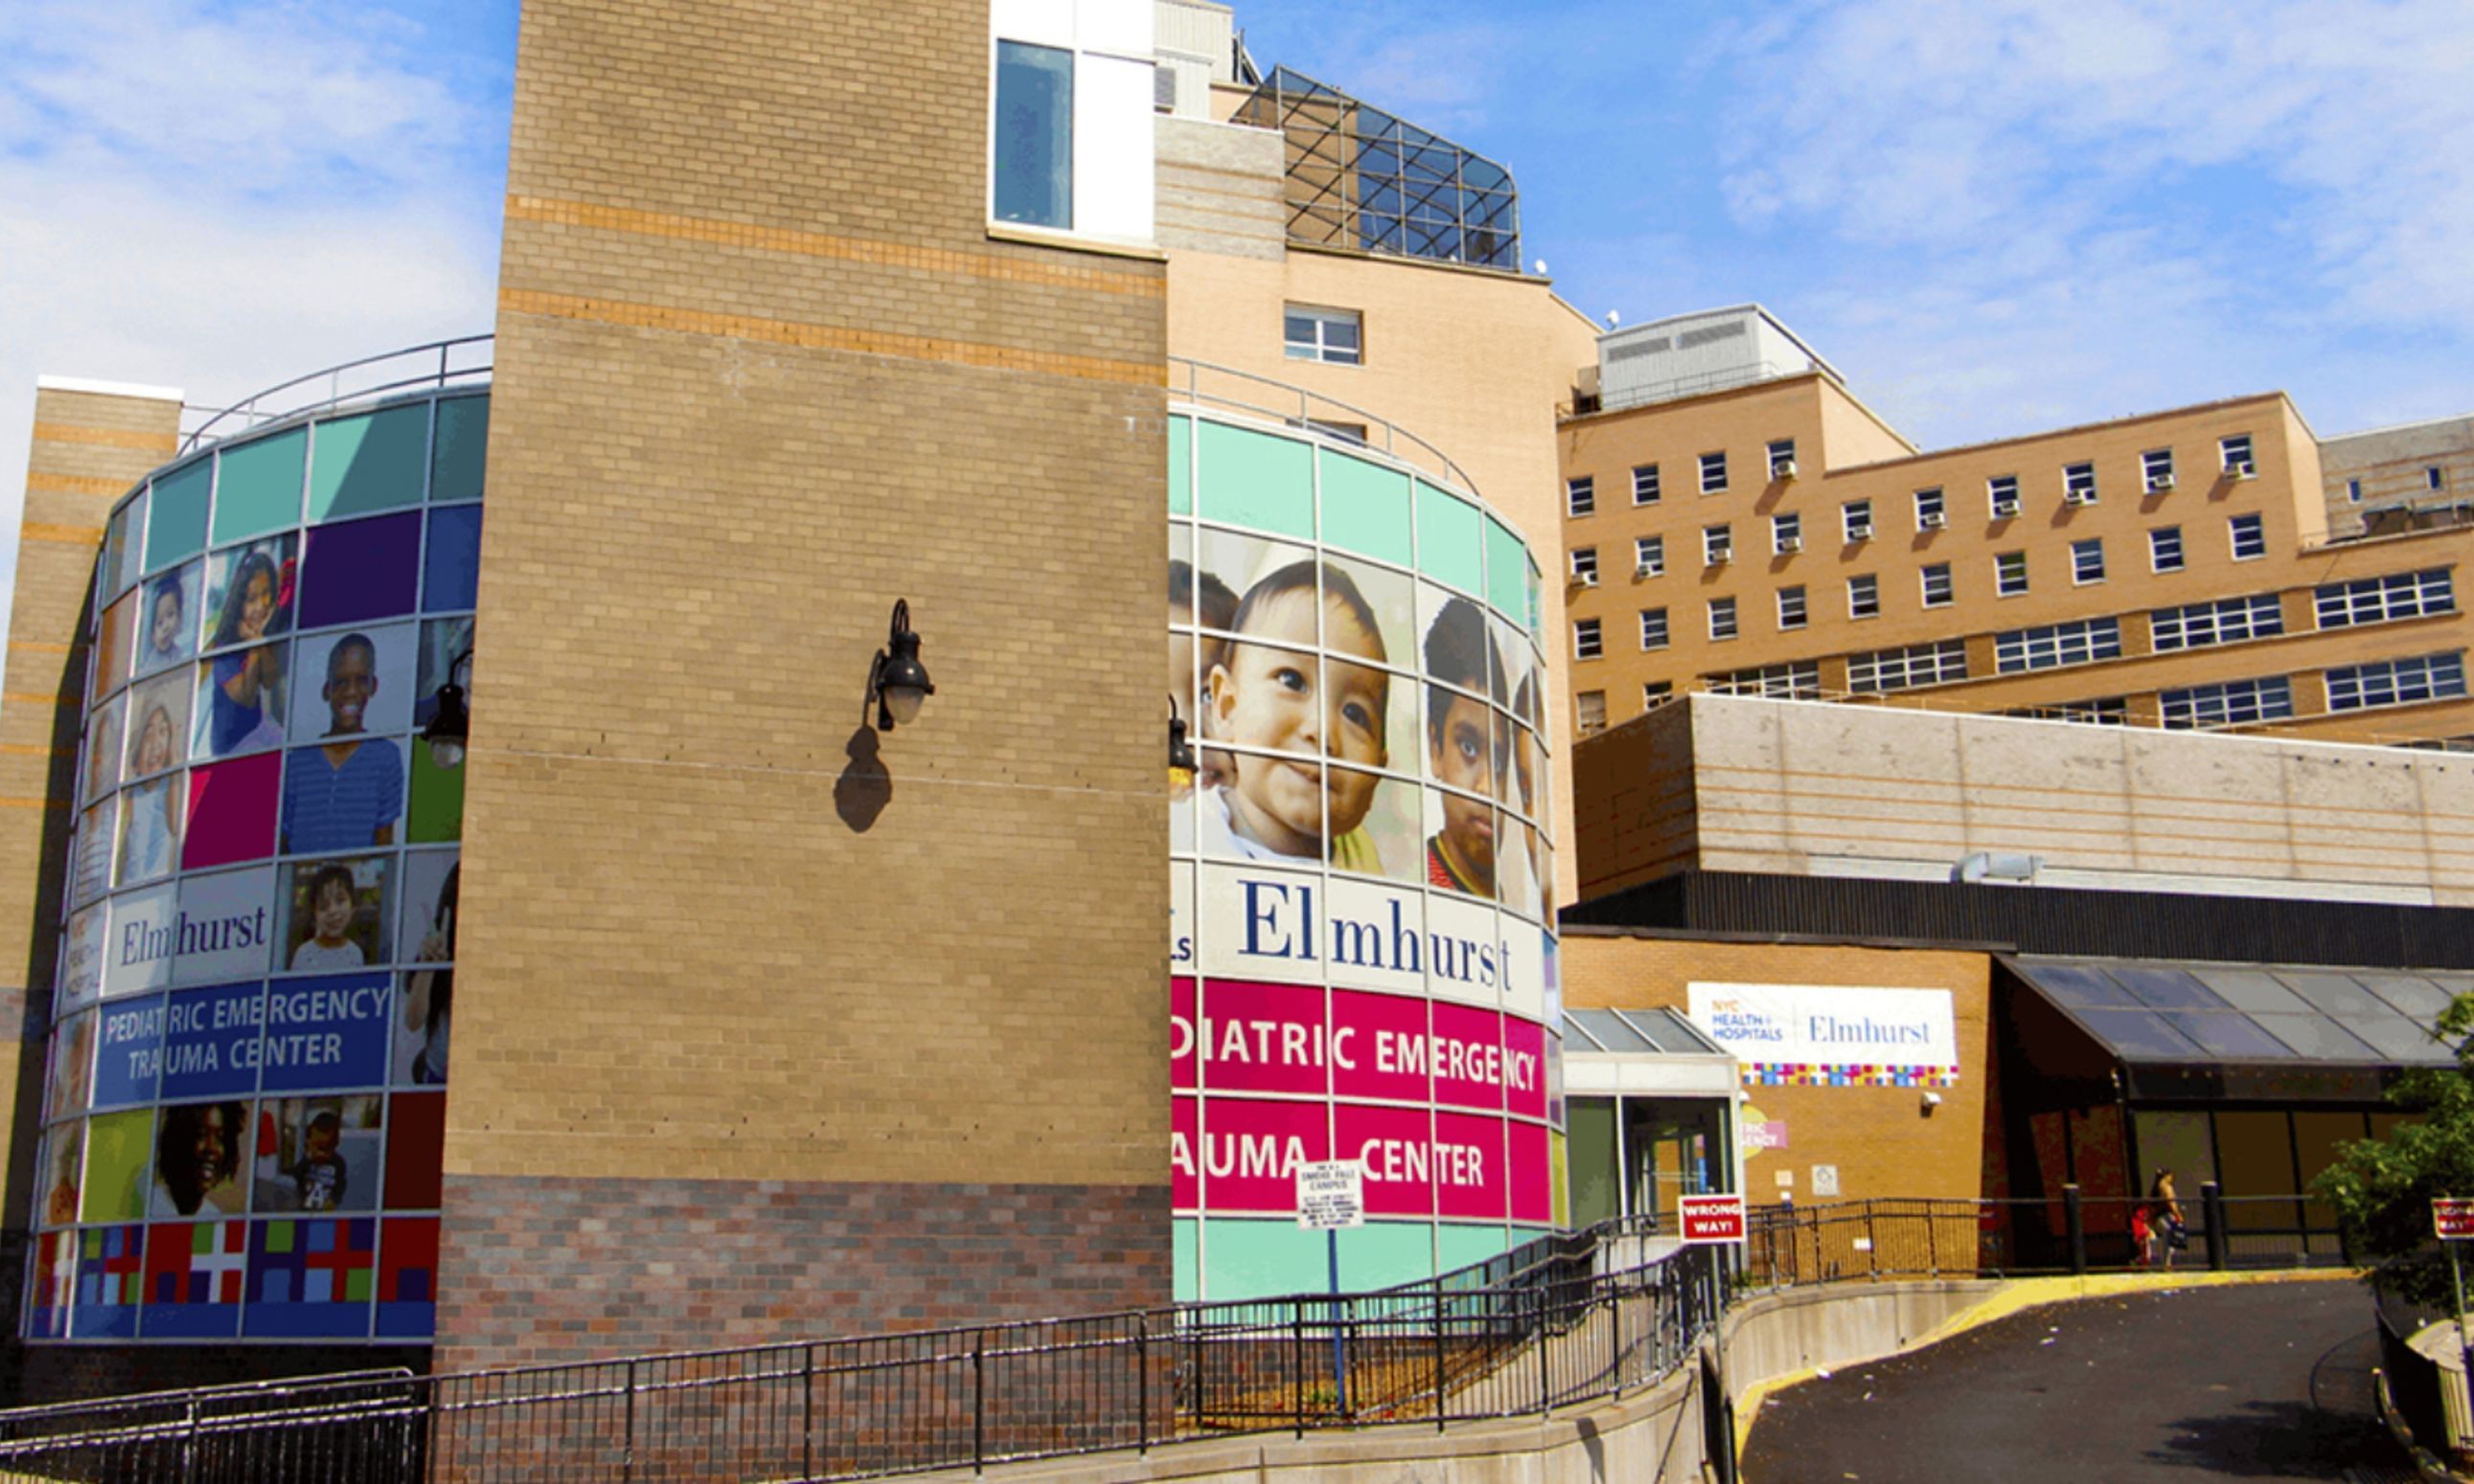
(1789, 546)
(1721, 558)
(2158, 484)
(1931, 521)
(1783, 469)
(1644, 573)
(2006, 510)
(2246, 470)
(2078, 497)
(1587, 579)
(1863, 532)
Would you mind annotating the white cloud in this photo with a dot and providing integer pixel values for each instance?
(221, 202)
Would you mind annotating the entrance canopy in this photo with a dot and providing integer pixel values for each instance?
(1641, 1053)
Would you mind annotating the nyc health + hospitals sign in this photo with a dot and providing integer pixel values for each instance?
(1830, 1035)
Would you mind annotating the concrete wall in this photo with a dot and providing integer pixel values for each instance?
(1807, 789)
(2392, 465)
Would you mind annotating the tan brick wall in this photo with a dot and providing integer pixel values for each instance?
(1880, 1138)
(762, 371)
(88, 449)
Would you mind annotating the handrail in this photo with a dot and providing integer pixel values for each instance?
(1301, 414)
(253, 410)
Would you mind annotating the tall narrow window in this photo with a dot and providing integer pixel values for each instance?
(1864, 596)
(1035, 135)
(1938, 585)
(2164, 548)
(1790, 607)
(2003, 490)
(1856, 518)
(1722, 618)
(2087, 560)
(1786, 533)
(1644, 484)
(1714, 472)
(2009, 574)
(1781, 452)
(1653, 628)
(1931, 512)
(1649, 556)
(2250, 537)
(1581, 496)
(1587, 642)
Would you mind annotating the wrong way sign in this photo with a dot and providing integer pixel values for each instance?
(1712, 1219)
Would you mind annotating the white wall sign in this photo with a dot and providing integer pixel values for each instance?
(1832, 1036)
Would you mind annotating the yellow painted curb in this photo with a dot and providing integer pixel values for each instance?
(2029, 1293)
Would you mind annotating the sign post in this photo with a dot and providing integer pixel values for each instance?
(1717, 1220)
(2452, 1221)
(1331, 1194)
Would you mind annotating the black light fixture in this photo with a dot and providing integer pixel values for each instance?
(450, 726)
(1180, 752)
(897, 682)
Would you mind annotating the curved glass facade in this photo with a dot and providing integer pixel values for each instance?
(1364, 962)
(244, 1106)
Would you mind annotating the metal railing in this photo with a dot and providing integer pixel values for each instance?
(1567, 1319)
(441, 363)
(1294, 406)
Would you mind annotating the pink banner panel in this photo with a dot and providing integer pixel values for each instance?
(1181, 1033)
(1378, 1046)
(1469, 1177)
(1249, 1153)
(1533, 1177)
(1399, 1156)
(1184, 1124)
(1258, 1037)
(1468, 1055)
(1524, 1067)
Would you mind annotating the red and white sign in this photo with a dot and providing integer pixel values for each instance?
(1710, 1219)
(2453, 1219)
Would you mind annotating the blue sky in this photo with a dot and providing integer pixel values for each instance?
(1992, 216)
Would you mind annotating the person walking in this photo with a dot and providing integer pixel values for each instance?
(2166, 1234)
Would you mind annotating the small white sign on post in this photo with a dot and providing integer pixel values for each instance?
(1331, 1194)
(1711, 1219)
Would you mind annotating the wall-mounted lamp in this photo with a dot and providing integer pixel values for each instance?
(897, 682)
(450, 726)
(1180, 752)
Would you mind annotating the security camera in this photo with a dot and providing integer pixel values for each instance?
(1932, 1100)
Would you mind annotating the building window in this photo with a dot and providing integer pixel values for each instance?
(1722, 618)
(2229, 703)
(1581, 496)
(2234, 456)
(2053, 646)
(2078, 484)
(1644, 484)
(1653, 628)
(1035, 135)
(1796, 680)
(2431, 478)
(1584, 565)
(1654, 694)
(2250, 537)
(1864, 596)
(1590, 711)
(1649, 556)
(2164, 548)
(1586, 643)
(1938, 592)
(1714, 473)
(1717, 544)
(2429, 678)
(2087, 560)
(2103, 711)
(1936, 662)
(2354, 491)
(1786, 533)
(1929, 514)
(1790, 607)
(2399, 595)
(2156, 470)
(1345, 432)
(1856, 517)
(1334, 336)
(2009, 574)
(2225, 622)
(2003, 490)
(1782, 458)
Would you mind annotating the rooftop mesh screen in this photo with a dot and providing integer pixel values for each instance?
(1361, 178)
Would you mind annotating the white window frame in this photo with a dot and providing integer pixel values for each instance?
(1781, 452)
(1581, 496)
(1869, 586)
(2222, 621)
(1656, 693)
(1714, 464)
(1786, 526)
(1792, 680)
(1585, 564)
(2411, 681)
(2078, 479)
(2227, 703)
(2008, 566)
(1583, 723)
(1321, 348)
(1717, 544)
(1649, 556)
(2001, 496)
(1855, 521)
(1793, 611)
(1654, 632)
(1933, 510)
(2252, 525)
(2235, 455)
(2081, 551)
(2056, 646)
(1938, 588)
(2387, 599)
(1588, 640)
(1935, 662)
(2154, 465)
(2159, 539)
(1723, 622)
(1645, 487)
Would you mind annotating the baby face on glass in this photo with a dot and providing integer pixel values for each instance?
(1281, 700)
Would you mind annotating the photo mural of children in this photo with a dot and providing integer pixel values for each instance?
(429, 994)
(328, 944)
(1203, 600)
(168, 636)
(103, 750)
(245, 690)
(1462, 748)
(348, 793)
(198, 1150)
(64, 1160)
(1280, 700)
(318, 1155)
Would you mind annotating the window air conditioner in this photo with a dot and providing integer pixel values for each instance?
(1789, 546)
(2246, 470)
(1721, 558)
(2006, 510)
(1931, 521)
(1860, 532)
(2078, 497)
(1783, 469)
(1644, 573)
(1587, 579)
(2158, 484)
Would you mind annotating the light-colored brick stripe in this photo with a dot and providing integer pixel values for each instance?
(14, 803)
(74, 484)
(832, 337)
(34, 750)
(817, 244)
(33, 698)
(74, 535)
(39, 646)
(165, 444)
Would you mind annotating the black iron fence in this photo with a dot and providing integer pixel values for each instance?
(1571, 1318)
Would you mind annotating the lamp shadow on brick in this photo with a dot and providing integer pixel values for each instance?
(864, 786)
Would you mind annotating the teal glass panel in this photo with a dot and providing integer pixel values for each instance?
(1259, 1259)
(1448, 538)
(1180, 466)
(1457, 1245)
(1366, 508)
(1536, 607)
(177, 529)
(456, 459)
(1383, 1252)
(259, 488)
(368, 463)
(1260, 481)
(1507, 571)
(1185, 1260)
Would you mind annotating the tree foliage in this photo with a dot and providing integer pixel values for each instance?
(2383, 1189)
